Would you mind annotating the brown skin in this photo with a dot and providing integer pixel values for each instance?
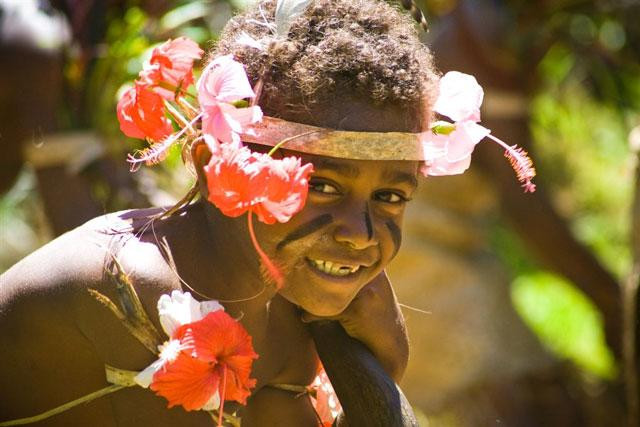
(56, 338)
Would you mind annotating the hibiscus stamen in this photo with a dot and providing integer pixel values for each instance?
(158, 151)
(222, 394)
(520, 162)
(271, 268)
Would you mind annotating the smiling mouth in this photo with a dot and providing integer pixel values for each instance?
(332, 268)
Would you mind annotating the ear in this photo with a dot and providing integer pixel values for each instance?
(200, 155)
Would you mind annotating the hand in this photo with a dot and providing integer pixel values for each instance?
(374, 318)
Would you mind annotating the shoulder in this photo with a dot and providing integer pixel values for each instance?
(55, 335)
(54, 280)
(78, 259)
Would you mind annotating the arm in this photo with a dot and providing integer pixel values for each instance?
(271, 406)
(374, 318)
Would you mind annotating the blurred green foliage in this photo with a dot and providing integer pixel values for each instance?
(565, 320)
(583, 155)
(585, 79)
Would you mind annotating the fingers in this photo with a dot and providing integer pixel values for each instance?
(308, 317)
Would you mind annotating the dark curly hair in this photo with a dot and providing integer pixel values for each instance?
(338, 50)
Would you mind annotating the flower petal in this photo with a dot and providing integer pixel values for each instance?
(188, 381)
(221, 340)
(213, 402)
(463, 139)
(145, 377)
(176, 310)
(171, 63)
(238, 118)
(442, 166)
(460, 97)
(223, 80)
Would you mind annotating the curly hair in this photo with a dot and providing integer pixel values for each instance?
(337, 50)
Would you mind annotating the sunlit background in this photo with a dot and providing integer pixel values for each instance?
(514, 301)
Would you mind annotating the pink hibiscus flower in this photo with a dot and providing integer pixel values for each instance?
(448, 147)
(222, 84)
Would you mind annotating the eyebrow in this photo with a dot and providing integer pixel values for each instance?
(350, 171)
(397, 177)
(341, 168)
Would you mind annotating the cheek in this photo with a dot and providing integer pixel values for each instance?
(395, 235)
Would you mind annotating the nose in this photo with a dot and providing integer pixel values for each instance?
(355, 228)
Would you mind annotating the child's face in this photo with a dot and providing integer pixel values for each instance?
(347, 233)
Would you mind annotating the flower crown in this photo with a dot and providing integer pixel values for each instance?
(159, 108)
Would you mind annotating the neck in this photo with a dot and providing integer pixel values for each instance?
(220, 259)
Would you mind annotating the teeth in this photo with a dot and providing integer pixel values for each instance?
(334, 269)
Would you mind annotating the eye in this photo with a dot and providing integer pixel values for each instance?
(322, 187)
(392, 197)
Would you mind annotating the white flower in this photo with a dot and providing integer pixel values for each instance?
(181, 308)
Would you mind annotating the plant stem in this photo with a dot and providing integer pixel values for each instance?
(182, 121)
(88, 398)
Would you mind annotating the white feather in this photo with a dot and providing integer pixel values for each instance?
(246, 40)
(286, 12)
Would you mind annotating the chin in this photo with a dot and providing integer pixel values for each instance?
(318, 305)
(321, 294)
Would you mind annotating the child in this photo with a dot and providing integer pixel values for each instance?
(352, 87)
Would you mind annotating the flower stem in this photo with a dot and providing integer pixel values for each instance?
(275, 273)
(191, 110)
(182, 121)
(284, 141)
(88, 398)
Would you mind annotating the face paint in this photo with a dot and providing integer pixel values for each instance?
(367, 221)
(396, 235)
(305, 229)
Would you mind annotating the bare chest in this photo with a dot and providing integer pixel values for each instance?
(286, 356)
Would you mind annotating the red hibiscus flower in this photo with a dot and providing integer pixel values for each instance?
(217, 358)
(286, 190)
(141, 114)
(240, 180)
(171, 66)
(236, 178)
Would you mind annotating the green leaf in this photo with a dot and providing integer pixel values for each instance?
(442, 128)
(240, 103)
(565, 320)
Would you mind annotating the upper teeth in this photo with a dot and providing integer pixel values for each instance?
(334, 269)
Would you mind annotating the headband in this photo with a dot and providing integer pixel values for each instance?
(271, 131)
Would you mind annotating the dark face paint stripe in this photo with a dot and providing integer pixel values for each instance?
(367, 221)
(305, 229)
(396, 235)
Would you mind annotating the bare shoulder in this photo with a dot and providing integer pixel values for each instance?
(55, 336)
(79, 259)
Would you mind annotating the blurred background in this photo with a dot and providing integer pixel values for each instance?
(521, 307)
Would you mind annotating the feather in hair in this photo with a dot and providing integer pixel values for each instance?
(286, 12)
(415, 12)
